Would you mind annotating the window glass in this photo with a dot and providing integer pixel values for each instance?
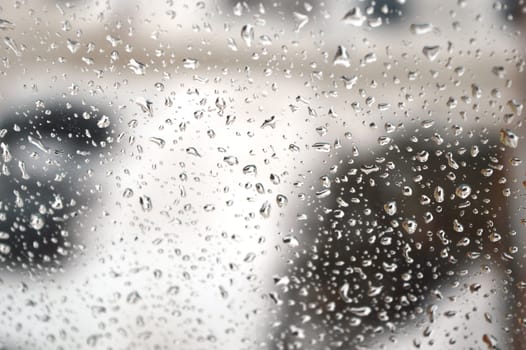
(258, 174)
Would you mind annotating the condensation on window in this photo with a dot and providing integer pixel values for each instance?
(258, 174)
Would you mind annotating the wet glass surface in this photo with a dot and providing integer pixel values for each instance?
(258, 174)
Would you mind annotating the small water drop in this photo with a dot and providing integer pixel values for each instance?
(420, 29)
(457, 226)
(247, 34)
(490, 341)
(300, 19)
(431, 52)
(410, 226)
(341, 58)
(11, 43)
(354, 17)
(344, 291)
(190, 63)
(6, 25)
(322, 146)
(137, 67)
(361, 311)
(193, 152)
(5, 249)
(127, 193)
(72, 45)
(463, 191)
(265, 209)
(390, 208)
(103, 122)
(158, 141)
(231, 160)
(508, 138)
(36, 221)
(133, 297)
(250, 170)
(146, 203)
(281, 200)
(323, 193)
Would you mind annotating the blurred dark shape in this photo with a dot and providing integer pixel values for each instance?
(512, 10)
(45, 186)
(273, 7)
(390, 11)
(359, 271)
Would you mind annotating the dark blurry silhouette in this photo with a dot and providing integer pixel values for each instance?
(364, 267)
(44, 183)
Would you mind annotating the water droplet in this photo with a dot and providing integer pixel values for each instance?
(354, 17)
(173, 290)
(103, 122)
(250, 170)
(146, 203)
(231, 160)
(420, 29)
(281, 200)
(137, 67)
(322, 146)
(476, 91)
(133, 297)
(274, 178)
(375, 290)
(23, 170)
(58, 203)
(300, 19)
(238, 8)
(426, 124)
(190, 63)
(36, 221)
(247, 34)
(127, 193)
(499, 71)
(457, 226)
(410, 226)
(231, 43)
(490, 341)
(428, 217)
(390, 208)
(475, 287)
(265, 209)
(158, 141)
(431, 52)
(209, 208)
(494, 237)
(389, 128)
(72, 45)
(38, 144)
(341, 58)
(193, 152)
(249, 257)
(11, 43)
(515, 106)
(422, 156)
(323, 193)
(463, 191)
(146, 105)
(6, 25)
(487, 172)
(361, 311)
(5, 249)
(344, 291)
(508, 138)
